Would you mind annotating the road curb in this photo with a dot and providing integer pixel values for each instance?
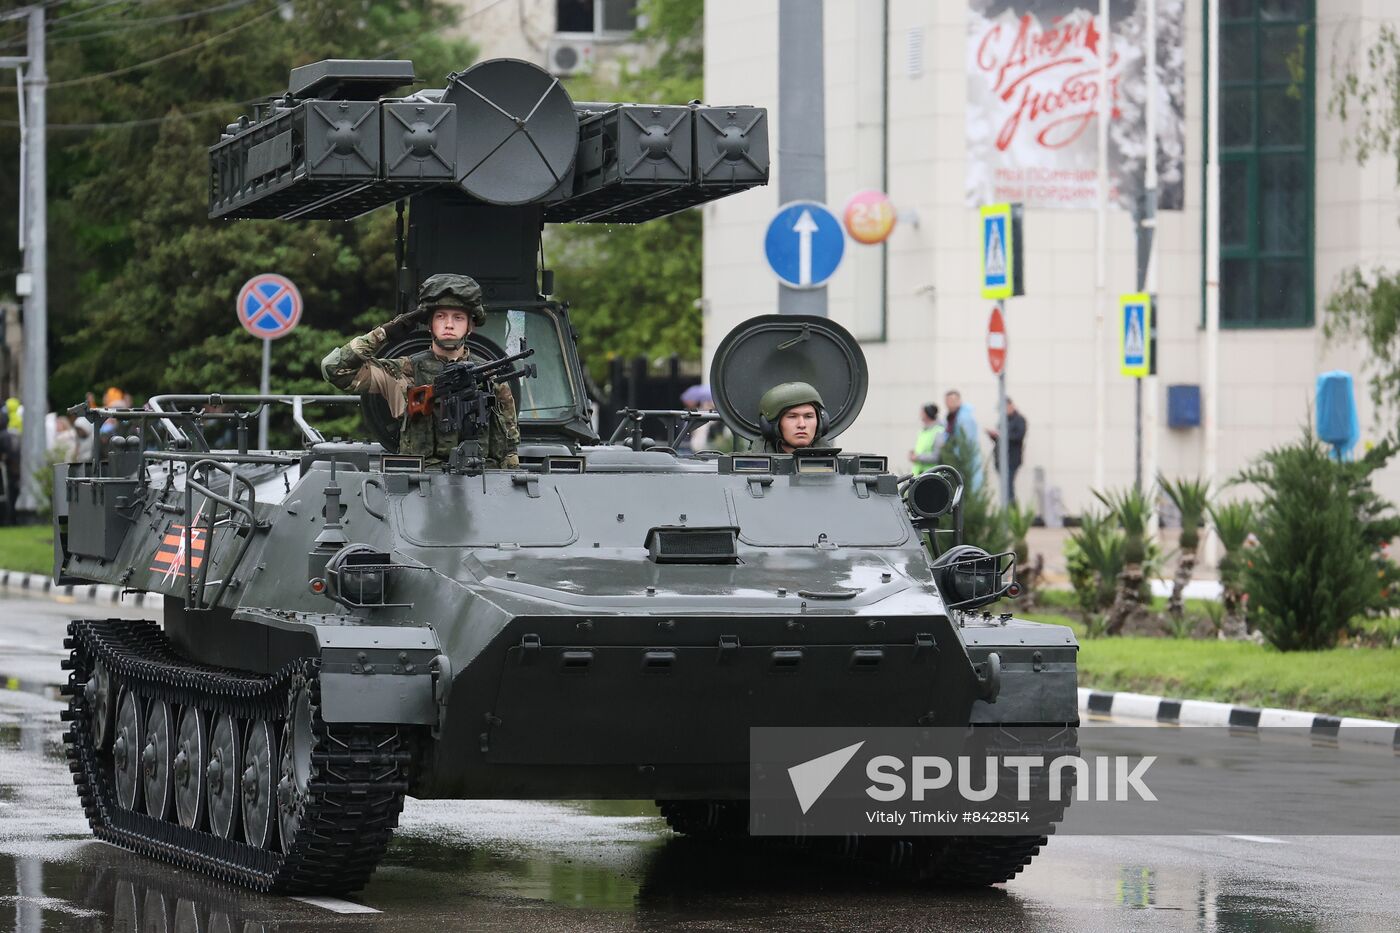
(40, 584)
(1207, 713)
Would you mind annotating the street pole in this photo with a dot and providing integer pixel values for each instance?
(1149, 283)
(1003, 437)
(34, 388)
(801, 127)
(1212, 361)
(264, 388)
(1145, 216)
(1100, 251)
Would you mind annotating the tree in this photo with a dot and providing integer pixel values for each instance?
(1132, 510)
(1365, 303)
(141, 281)
(636, 289)
(1233, 522)
(1191, 498)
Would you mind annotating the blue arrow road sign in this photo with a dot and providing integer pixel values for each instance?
(804, 244)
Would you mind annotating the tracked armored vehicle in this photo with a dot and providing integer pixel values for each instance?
(343, 626)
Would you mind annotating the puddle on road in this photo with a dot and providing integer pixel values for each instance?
(659, 881)
(574, 865)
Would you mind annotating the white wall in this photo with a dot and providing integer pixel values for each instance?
(936, 319)
(511, 29)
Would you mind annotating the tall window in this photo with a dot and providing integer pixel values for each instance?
(1266, 163)
(596, 17)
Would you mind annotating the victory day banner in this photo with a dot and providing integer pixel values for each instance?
(1033, 99)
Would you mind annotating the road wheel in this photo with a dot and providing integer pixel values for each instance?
(259, 807)
(191, 761)
(100, 694)
(157, 758)
(297, 741)
(223, 774)
(127, 743)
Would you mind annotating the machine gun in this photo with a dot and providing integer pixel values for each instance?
(462, 397)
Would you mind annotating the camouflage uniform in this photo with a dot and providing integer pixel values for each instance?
(354, 368)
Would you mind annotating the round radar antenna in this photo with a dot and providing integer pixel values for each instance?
(518, 134)
(765, 351)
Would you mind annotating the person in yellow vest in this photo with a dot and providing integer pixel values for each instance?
(929, 444)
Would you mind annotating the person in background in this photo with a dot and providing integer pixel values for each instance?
(63, 443)
(698, 398)
(9, 468)
(83, 433)
(962, 426)
(112, 427)
(1016, 437)
(929, 443)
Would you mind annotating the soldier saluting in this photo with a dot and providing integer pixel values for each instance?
(451, 306)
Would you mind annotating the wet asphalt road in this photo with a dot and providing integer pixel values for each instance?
(510, 865)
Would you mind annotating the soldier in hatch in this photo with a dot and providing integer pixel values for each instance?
(451, 306)
(791, 415)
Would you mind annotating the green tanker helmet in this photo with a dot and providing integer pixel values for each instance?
(788, 395)
(451, 290)
(801, 359)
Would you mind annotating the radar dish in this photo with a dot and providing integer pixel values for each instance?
(517, 133)
(765, 351)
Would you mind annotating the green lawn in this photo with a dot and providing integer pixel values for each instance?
(27, 547)
(1340, 682)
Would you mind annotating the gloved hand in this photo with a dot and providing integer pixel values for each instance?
(404, 324)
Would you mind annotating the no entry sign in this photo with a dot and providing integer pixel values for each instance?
(996, 341)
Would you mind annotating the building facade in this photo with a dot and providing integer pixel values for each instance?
(1296, 211)
(568, 37)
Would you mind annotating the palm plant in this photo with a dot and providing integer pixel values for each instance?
(1191, 498)
(1132, 510)
(1094, 556)
(1233, 522)
(1019, 520)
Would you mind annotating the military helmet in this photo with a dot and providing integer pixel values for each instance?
(450, 290)
(784, 396)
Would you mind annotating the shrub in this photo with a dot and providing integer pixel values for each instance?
(984, 524)
(1094, 558)
(1319, 561)
(1019, 520)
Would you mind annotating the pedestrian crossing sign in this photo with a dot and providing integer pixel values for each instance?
(1000, 251)
(1134, 335)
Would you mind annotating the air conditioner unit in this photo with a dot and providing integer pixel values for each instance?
(569, 56)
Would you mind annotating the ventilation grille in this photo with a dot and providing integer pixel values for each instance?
(693, 545)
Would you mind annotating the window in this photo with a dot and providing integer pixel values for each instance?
(548, 396)
(1266, 163)
(596, 17)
